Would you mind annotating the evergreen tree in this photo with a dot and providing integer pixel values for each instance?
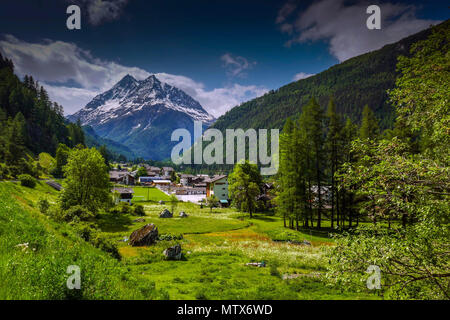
(369, 125)
(334, 147)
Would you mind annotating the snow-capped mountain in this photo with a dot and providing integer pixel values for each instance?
(142, 115)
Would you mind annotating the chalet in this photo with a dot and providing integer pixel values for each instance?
(186, 179)
(122, 176)
(123, 195)
(152, 171)
(218, 186)
(167, 171)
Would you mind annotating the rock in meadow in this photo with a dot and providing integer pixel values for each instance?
(183, 214)
(144, 236)
(173, 253)
(165, 214)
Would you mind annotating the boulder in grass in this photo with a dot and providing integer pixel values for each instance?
(165, 214)
(306, 243)
(161, 202)
(183, 214)
(173, 253)
(145, 236)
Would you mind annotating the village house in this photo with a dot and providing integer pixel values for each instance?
(218, 186)
(122, 177)
(122, 195)
(186, 179)
(167, 171)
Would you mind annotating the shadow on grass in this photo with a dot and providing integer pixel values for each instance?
(113, 222)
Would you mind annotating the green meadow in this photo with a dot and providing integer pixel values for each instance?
(216, 247)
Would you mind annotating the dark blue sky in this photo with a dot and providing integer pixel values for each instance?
(216, 44)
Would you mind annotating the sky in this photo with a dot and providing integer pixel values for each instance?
(222, 53)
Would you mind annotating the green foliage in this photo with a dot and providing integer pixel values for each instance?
(394, 182)
(62, 154)
(27, 181)
(141, 172)
(244, 186)
(40, 265)
(212, 202)
(103, 242)
(77, 213)
(424, 84)
(87, 180)
(138, 210)
(369, 125)
(43, 205)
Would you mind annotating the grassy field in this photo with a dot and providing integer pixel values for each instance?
(216, 247)
(148, 194)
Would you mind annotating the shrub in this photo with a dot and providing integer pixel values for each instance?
(43, 205)
(27, 181)
(139, 210)
(86, 231)
(122, 207)
(105, 244)
(77, 213)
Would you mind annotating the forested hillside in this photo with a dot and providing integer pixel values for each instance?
(117, 151)
(360, 81)
(29, 123)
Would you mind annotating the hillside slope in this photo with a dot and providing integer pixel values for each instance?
(36, 251)
(92, 139)
(354, 83)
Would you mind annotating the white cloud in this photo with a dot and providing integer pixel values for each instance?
(73, 76)
(344, 26)
(216, 101)
(100, 11)
(236, 65)
(302, 75)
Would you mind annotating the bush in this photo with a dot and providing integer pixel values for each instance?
(77, 213)
(105, 244)
(43, 205)
(122, 207)
(139, 210)
(27, 181)
(85, 230)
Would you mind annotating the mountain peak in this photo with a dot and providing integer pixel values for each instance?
(126, 80)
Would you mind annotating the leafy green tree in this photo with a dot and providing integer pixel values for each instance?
(421, 93)
(62, 154)
(245, 181)
(396, 184)
(87, 180)
(141, 172)
(212, 202)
